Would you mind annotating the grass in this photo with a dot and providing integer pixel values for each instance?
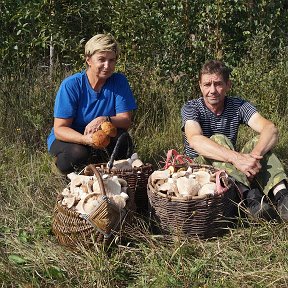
(251, 255)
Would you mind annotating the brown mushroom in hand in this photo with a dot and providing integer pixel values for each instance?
(109, 129)
(100, 139)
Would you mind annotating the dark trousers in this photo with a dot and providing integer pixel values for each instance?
(74, 157)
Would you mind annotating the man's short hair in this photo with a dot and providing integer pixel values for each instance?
(215, 67)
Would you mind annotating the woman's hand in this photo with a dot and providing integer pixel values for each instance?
(87, 140)
(94, 125)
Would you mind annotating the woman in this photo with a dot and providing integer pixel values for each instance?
(84, 101)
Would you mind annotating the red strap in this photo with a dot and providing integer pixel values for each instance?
(173, 158)
(220, 189)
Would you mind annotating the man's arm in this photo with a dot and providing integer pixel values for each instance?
(206, 147)
(268, 134)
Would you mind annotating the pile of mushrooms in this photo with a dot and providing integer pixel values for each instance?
(127, 164)
(184, 182)
(83, 193)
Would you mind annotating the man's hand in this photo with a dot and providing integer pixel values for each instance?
(249, 164)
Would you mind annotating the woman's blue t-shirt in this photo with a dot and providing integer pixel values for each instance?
(76, 99)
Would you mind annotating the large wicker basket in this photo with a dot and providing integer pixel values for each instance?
(101, 226)
(196, 217)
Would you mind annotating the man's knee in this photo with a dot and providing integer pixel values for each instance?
(222, 140)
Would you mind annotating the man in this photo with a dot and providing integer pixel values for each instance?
(210, 125)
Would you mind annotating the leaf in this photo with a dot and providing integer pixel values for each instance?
(55, 272)
(16, 259)
(23, 236)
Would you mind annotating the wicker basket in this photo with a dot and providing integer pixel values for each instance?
(137, 179)
(100, 226)
(193, 216)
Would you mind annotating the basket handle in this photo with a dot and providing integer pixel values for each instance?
(173, 158)
(115, 152)
(99, 178)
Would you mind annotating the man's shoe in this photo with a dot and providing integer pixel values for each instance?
(282, 204)
(258, 206)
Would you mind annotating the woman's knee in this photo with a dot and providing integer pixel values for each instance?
(72, 157)
(77, 152)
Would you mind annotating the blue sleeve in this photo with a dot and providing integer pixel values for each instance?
(125, 100)
(67, 99)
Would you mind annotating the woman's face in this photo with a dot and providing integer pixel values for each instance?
(102, 64)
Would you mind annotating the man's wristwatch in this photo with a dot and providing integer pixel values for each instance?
(108, 118)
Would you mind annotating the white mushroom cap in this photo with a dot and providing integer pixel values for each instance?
(189, 169)
(165, 187)
(112, 187)
(208, 188)
(96, 187)
(122, 165)
(79, 206)
(90, 202)
(66, 192)
(124, 195)
(68, 201)
(187, 186)
(202, 177)
(137, 163)
(134, 156)
(118, 201)
(179, 174)
(72, 175)
(159, 175)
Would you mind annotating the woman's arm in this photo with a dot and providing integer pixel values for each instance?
(64, 132)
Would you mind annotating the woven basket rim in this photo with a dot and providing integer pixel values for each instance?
(185, 199)
(104, 164)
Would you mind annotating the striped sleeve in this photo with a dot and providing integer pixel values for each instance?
(189, 112)
(246, 111)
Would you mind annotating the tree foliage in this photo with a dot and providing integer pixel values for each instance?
(171, 35)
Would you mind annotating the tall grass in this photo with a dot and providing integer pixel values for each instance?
(249, 255)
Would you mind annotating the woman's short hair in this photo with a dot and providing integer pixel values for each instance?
(215, 67)
(101, 43)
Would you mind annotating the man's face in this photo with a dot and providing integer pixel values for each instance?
(214, 89)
